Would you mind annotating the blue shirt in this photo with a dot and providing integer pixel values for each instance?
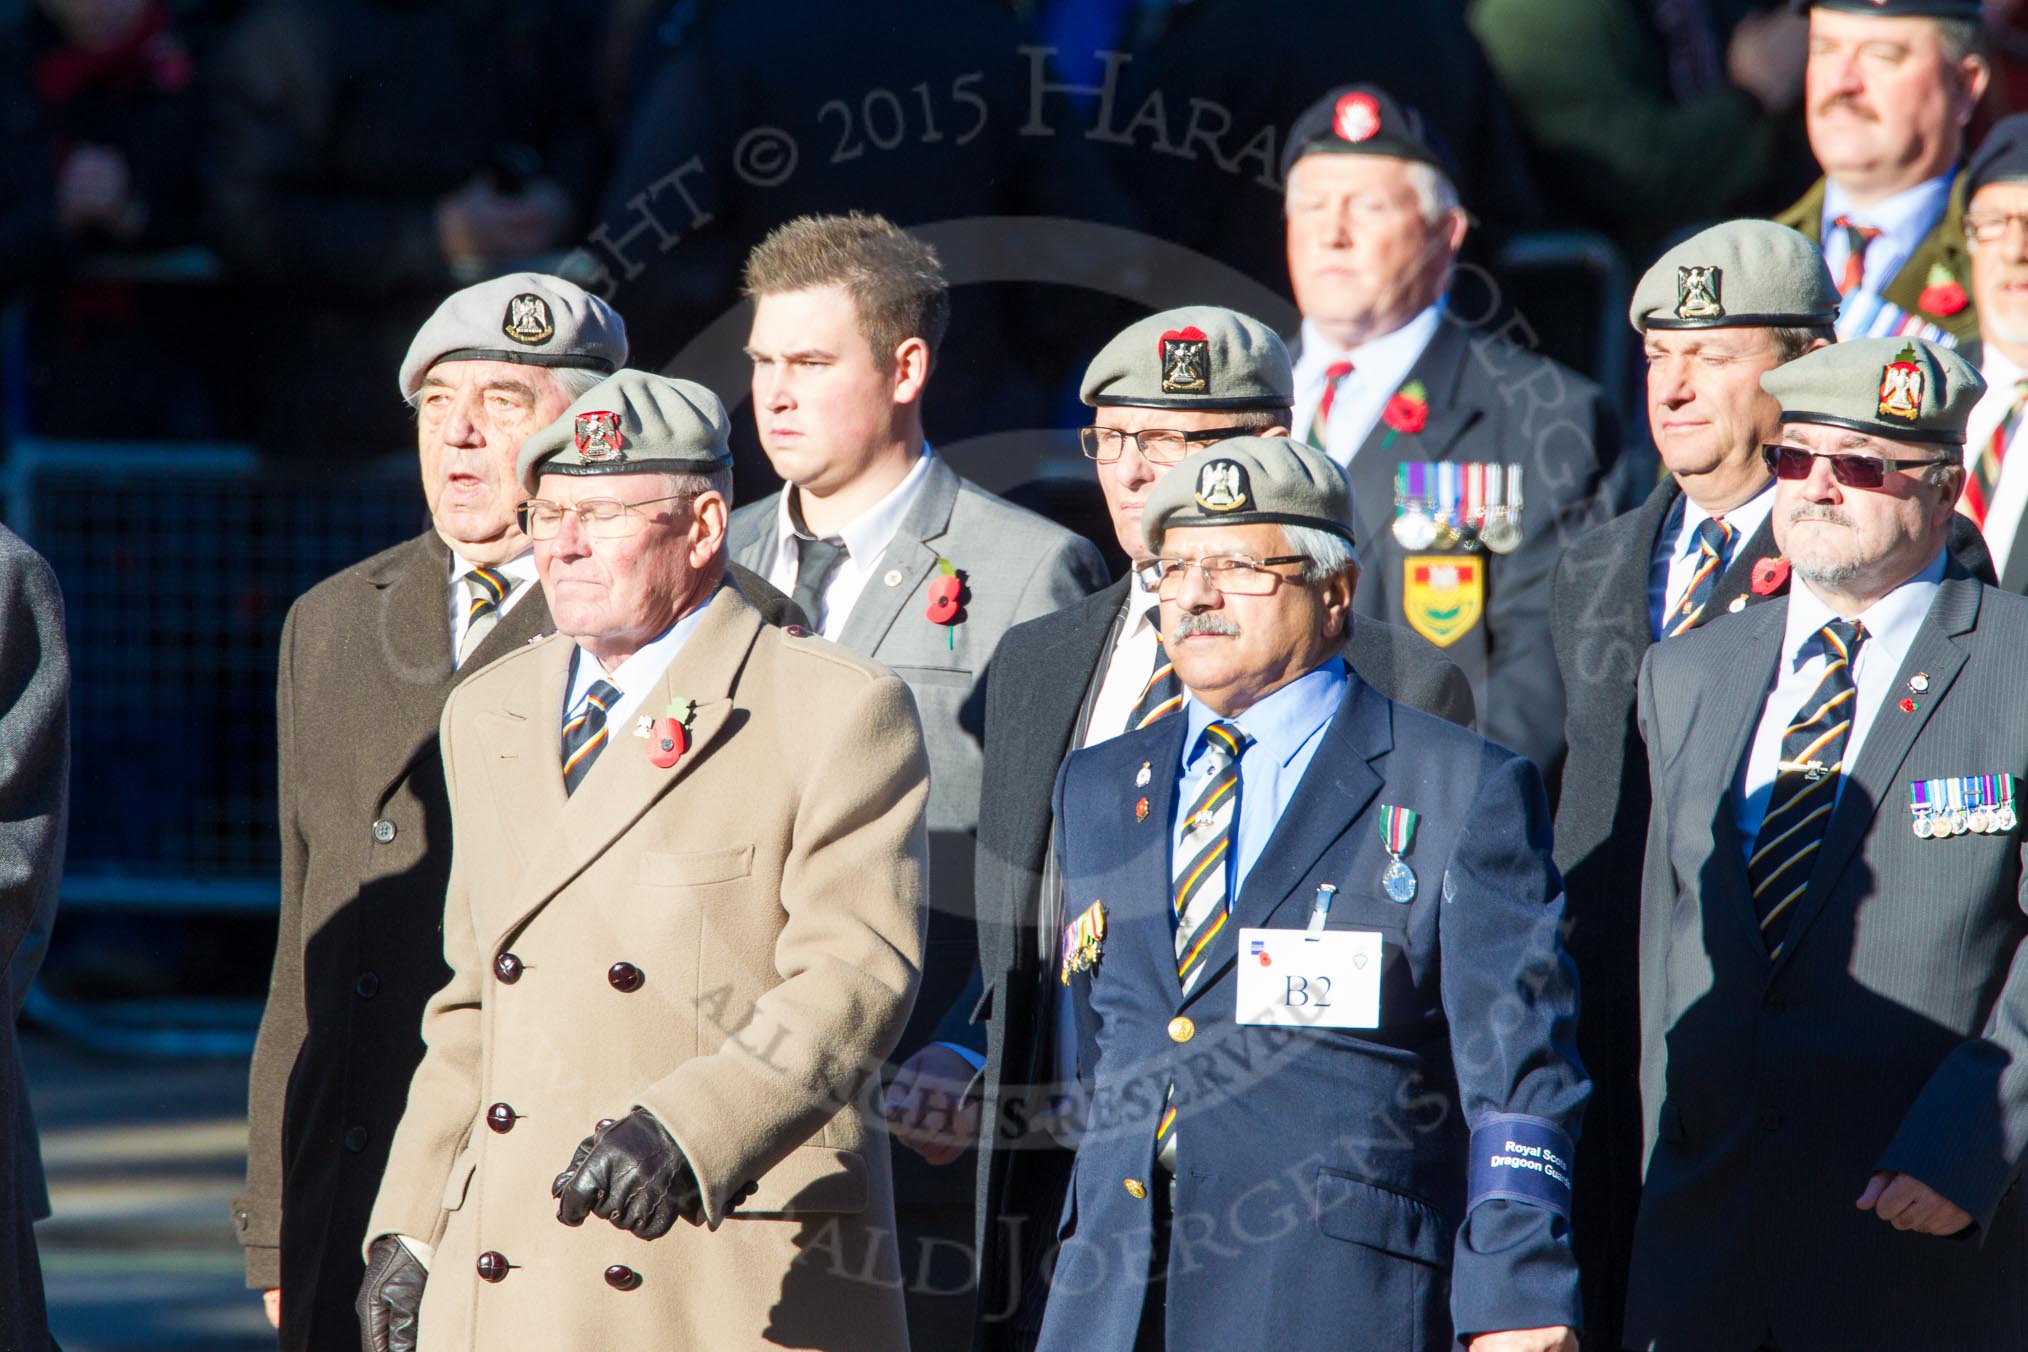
(1902, 220)
(1286, 728)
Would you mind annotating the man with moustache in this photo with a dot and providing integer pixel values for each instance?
(1078, 677)
(1331, 1020)
(368, 656)
(1472, 461)
(1833, 986)
(1889, 88)
(1996, 231)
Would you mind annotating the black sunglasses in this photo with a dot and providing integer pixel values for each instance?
(1851, 470)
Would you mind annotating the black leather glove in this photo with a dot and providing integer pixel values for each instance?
(633, 1174)
(390, 1297)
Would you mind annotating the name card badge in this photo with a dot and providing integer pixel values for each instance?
(1309, 978)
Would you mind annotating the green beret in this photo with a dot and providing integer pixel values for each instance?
(1201, 356)
(633, 422)
(528, 318)
(1740, 274)
(1907, 389)
(1245, 481)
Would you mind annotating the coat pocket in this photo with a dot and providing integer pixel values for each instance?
(460, 1180)
(1380, 1218)
(697, 868)
(813, 1180)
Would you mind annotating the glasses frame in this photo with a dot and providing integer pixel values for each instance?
(1205, 434)
(1841, 465)
(1155, 572)
(629, 511)
(1990, 227)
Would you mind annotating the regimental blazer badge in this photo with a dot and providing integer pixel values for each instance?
(528, 320)
(1901, 386)
(1443, 595)
(1697, 293)
(598, 437)
(1186, 361)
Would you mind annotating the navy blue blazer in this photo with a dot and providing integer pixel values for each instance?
(1321, 1190)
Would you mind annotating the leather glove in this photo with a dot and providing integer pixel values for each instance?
(633, 1174)
(390, 1297)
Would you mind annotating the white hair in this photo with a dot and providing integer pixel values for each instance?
(571, 382)
(1433, 190)
(1327, 552)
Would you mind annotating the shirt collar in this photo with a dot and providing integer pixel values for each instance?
(1744, 519)
(1284, 722)
(1891, 621)
(867, 536)
(1399, 348)
(1999, 370)
(1139, 597)
(1911, 209)
(521, 567)
(643, 667)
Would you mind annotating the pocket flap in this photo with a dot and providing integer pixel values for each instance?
(813, 1179)
(697, 868)
(1380, 1218)
(460, 1180)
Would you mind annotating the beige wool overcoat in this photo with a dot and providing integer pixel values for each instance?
(733, 943)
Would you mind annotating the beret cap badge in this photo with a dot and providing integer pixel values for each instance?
(528, 320)
(1222, 486)
(1901, 384)
(598, 437)
(1697, 291)
(1356, 118)
(1186, 361)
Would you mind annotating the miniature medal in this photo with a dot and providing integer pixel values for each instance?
(1397, 833)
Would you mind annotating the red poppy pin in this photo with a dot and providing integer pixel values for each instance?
(1769, 576)
(668, 736)
(947, 599)
(1942, 295)
(1407, 412)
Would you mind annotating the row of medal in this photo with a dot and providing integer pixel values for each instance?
(1982, 804)
(1444, 504)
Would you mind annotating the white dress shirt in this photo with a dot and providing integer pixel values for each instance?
(634, 678)
(520, 569)
(1902, 220)
(865, 538)
(1128, 666)
(1380, 367)
(1677, 553)
(2010, 496)
(1891, 623)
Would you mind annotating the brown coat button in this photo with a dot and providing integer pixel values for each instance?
(622, 1278)
(605, 1122)
(501, 1118)
(493, 1266)
(625, 977)
(367, 986)
(508, 968)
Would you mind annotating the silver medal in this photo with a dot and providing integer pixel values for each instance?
(1399, 882)
(1980, 820)
(1414, 528)
(1500, 533)
(1923, 828)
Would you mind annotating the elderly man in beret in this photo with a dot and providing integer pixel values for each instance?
(1996, 231)
(368, 656)
(1334, 1080)
(684, 926)
(1473, 461)
(1833, 986)
(1887, 93)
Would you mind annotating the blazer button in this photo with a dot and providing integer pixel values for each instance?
(1181, 1029)
(508, 968)
(1770, 1119)
(1136, 1189)
(367, 986)
(625, 977)
(383, 831)
(355, 1139)
(493, 1266)
(622, 1278)
(1775, 1003)
(501, 1118)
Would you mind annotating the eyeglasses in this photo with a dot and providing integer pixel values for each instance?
(1229, 574)
(1853, 471)
(1157, 445)
(1988, 226)
(601, 518)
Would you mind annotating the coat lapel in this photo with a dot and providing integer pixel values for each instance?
(413, 630)
(1440, 368)
(874, 613)
(1870, 785)
(1332, 796)
(1733, 701)
(1737, 579)
(1164, 753)
(622, 784)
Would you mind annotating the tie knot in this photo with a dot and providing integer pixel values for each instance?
(1153, 615)
(1224, 740)
(1843, 637)
(1337, 371)
(489, 585)
(1861, 234)
(602, 696)
(1714, 536)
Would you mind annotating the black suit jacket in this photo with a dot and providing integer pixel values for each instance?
(1044, 674)
(1601, 627)
(1490, 401)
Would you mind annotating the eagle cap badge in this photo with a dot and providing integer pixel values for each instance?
(1222, 486)
(598, 437)
(1186, 361)
(528, 320)
(1697, 293)
(1901, 385)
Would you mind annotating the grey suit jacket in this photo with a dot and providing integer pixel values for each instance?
(1891, 1034)
(1015, 566)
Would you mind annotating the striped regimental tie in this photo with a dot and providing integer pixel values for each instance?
(585, 736)
(1320, 422)
(1202, 892)
(1805, 787)
(1983, 478)
(1163, 694)
(485, 590)
(1714, 549)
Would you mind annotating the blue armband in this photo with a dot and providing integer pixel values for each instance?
(1518, 1158)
